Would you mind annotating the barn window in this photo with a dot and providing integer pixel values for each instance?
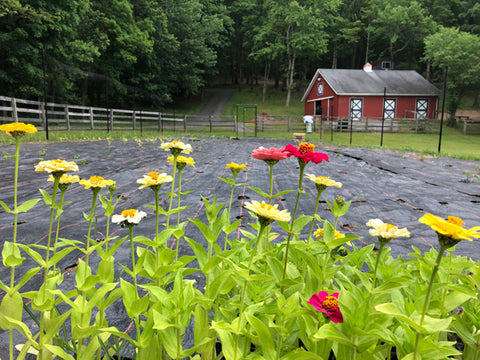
(386, 65)
(320, 89)
(356, 109)
(421, 109)
(389, 108)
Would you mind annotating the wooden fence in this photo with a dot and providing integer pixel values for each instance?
(75, 117)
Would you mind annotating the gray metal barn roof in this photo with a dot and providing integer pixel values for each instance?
(360, 82)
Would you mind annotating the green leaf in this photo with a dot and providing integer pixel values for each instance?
(5, 207)
(11, 255)
(59, 352)
(259, 191)
(27, 205)
(226, 338)
(12, 304)
(264, 337)
(199, 251)
(330, 332)
(27, 276)
(47, 199)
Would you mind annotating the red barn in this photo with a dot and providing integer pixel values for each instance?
(358, 94)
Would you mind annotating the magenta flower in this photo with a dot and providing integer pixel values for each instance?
(327, 304)
(272, 154)
(306, 153)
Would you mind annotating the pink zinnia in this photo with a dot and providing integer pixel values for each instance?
(327, 304)
(272, 154)
(305, 151)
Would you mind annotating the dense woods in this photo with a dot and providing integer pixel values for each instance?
(144, 53)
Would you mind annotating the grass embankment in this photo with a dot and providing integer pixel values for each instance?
(454, 143)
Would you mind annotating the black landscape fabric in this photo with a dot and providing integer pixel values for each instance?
(396, 187)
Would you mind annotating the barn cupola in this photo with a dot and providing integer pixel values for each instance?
(367, 67)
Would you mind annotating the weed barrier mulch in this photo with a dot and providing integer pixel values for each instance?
(396, 187)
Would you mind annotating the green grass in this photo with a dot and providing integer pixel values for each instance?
(274, 103)
(454, 144)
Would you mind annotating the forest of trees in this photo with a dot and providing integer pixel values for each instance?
(144, 53)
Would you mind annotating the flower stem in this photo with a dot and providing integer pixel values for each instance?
(244, 290)
(376, 266)
(134, 274)
(314, 213)
(230, 207)
(174, 172)
(428, 293)
(290, 233)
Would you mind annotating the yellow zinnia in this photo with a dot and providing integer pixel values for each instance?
(323, 181)
(451, 228)
(18, 129)
(56, 166)
(177, 147)
(182, 160)
(234, 166)
(267, 212)
(66, 179)
(154, 179)
(96, 182)
(338, 234)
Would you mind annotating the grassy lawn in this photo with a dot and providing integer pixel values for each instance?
(454, 144)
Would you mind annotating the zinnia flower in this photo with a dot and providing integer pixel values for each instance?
(306, 153)
(272, 154)
(129, 217)
(154, 179)
(322, 182)
(338, 234)
(66, 179)
(177, 147)
(386, 232)
(450, 231)
(56, 167)
(96, 182)
(17, 129)
(235, 168)
(328, 304)
(182, 161)
(267, 212)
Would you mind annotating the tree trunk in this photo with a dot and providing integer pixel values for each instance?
(476, 101)
(265, 78)
(367, 47)
(335, 55)
(291, 71)
(428, 70)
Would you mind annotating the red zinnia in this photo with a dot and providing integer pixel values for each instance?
(306, 152)
(327, 304)
(272, 154)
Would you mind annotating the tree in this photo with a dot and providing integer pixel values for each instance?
(460, 52)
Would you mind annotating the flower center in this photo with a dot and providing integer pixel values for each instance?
(455, 220)
(96, 180)
(303, 148)
(153, 175)
(330, 302)
(130, 213)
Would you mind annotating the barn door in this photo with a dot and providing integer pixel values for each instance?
(356, 109)
(421, 109)
(389, 108)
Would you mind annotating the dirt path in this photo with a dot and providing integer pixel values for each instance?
(217, 103)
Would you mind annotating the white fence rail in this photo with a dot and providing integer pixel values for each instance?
(75, 117)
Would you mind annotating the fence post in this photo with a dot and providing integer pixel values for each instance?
(366, 124)
(14, 110)
(210, 122)
(67, 117)
(160, 121)
(185, 123)
(464, 127)
(91, 119)
(42, 114)
(110, 119)
(134, 120)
